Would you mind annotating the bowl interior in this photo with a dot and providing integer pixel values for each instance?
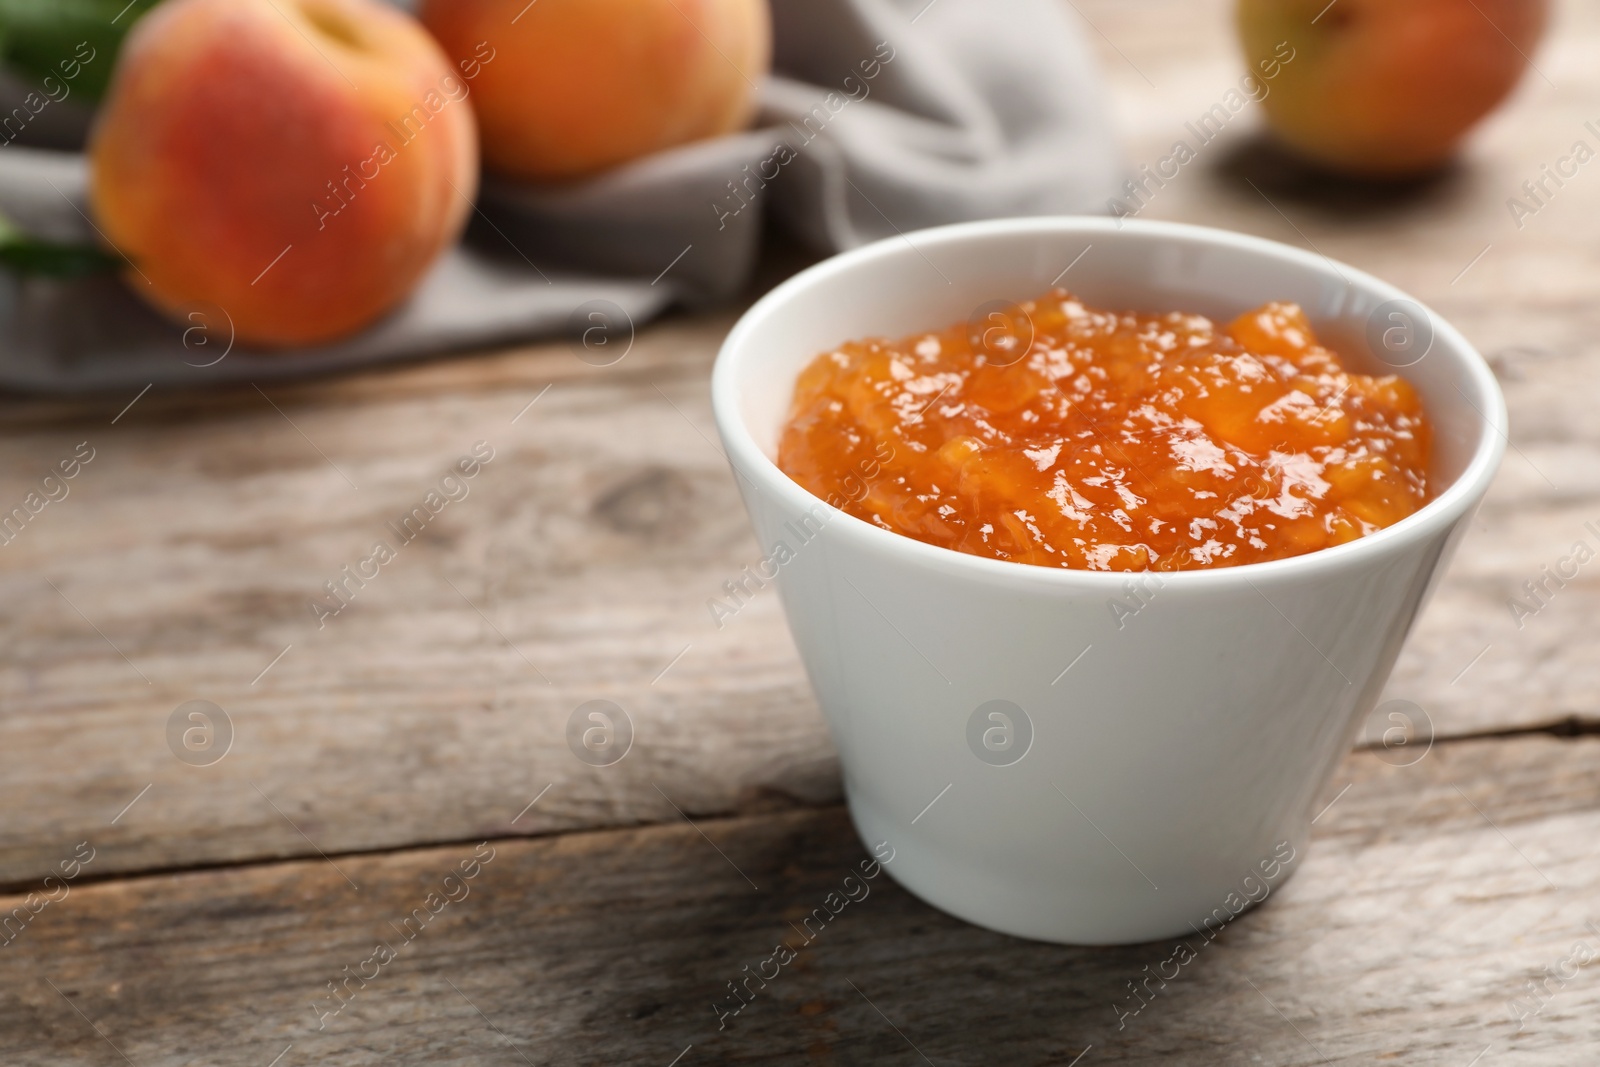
(933, 278)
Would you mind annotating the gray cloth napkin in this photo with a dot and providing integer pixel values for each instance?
(880, 117)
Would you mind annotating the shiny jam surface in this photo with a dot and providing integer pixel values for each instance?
(1061, 435)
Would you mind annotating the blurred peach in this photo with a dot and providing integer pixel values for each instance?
(297, 164)
(1386, 88)
(576, 86)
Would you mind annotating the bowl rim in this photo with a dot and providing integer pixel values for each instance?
(748, 460)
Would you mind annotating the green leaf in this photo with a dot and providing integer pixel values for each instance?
(75, 42)
(44, 259)
(31, 256)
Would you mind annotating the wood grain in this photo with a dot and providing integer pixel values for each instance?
(434, 708)
(1431, 895)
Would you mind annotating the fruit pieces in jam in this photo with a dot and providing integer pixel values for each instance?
(1061, 435)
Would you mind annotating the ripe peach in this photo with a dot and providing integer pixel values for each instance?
(576, 86)
(1384, 88)
(297, 163)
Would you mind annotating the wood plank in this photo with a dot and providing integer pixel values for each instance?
(435, 705)
(588, 548)
(1431, 895)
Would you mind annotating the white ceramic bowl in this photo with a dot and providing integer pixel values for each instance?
(1156, 785)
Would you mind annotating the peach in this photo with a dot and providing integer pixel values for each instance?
(298, 164)
(577, 86)
(1385, 88)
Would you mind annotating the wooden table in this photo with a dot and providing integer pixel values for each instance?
(231, 912)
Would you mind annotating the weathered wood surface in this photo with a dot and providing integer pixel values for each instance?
(1430, 897)
(434, 708)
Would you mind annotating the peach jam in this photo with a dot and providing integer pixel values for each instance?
(1057, 434)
